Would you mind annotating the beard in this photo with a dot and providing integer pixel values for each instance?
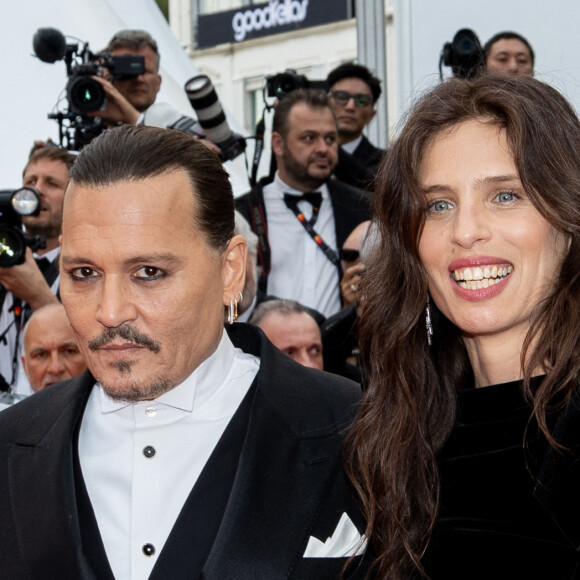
(133, 391)
(136, 392)
(49, 226)
(302, 173)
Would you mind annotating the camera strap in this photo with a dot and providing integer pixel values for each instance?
(22, 312)
(315, 199)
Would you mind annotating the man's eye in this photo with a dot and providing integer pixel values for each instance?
(149, 273)
(83, 273)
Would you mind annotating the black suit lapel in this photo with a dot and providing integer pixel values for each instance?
(350, 208)
(281, 484)
(45, 511)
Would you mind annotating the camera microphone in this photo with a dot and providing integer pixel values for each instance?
(49, 44)
(210, 114)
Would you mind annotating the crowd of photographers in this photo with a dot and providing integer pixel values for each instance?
(305, 224)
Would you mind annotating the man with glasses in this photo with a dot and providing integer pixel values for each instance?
(353, 94)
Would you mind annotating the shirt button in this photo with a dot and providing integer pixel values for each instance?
(149, 452)
(150, 411)
(148, 549)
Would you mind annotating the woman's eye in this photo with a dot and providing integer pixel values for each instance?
(506, 196)
(439, 206)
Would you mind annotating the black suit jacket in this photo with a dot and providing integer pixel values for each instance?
(359, 168)
(350, 207)
(289, 483)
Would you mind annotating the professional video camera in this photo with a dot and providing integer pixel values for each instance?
(84, 93)
(464, 55)
(14, 204)
(279, 85)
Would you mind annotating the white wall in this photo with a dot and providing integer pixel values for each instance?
(423, 26)
(30, 88)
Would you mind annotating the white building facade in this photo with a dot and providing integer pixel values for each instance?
(238, 43)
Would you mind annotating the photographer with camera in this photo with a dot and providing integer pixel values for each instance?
(27, 286)
(131, 100)
(128, 99)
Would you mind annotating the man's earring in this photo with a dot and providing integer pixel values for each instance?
(428, 324)
(233, 310)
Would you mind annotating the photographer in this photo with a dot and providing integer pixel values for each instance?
(28, 286)
(132, 100)
(128, 99)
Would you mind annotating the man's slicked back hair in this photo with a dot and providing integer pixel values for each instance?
(137, 152)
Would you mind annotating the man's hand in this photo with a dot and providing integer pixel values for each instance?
(118, 108)
(350, 283)
(27, 283)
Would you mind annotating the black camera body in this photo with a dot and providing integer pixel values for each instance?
(279, 85)
(84, 93)
(14, 204)
(464, 54)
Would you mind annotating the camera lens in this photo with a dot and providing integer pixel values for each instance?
(85, 94)
(286, 84)
(12, 246)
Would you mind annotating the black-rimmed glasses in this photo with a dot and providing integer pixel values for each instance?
(343, 97)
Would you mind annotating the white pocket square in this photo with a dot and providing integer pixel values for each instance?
(344, 542)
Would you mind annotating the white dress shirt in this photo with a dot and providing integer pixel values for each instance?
(141, 460)
(21, 386)
(299, 268)
(351, 146)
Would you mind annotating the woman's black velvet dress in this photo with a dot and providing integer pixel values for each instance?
(491, 525)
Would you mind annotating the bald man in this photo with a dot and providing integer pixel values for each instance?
(51, 353)
(291, 327)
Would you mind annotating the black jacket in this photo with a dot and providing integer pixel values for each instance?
(349, 204)
(359, 168)
(288, 485)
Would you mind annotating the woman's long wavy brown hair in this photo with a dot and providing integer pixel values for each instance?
(409, 406)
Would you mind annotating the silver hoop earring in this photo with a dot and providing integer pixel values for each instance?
(428, 324)
(232, 311)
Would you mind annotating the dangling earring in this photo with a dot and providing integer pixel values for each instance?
(233, 310)
(428, 324)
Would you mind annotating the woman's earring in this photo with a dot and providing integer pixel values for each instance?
(233, 310)
(428, 324)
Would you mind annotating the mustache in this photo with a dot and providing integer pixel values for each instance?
(127, 333)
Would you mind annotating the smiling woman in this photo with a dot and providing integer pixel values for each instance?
(475, 284)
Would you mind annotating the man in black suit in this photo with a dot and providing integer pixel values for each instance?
(184, 451)
(304, 215)
(354, 90)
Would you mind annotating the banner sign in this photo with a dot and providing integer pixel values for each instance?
(259, 20)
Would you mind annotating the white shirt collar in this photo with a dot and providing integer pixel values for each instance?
(198, 387)
(51, 255)
(352, 145)
(283, 188)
